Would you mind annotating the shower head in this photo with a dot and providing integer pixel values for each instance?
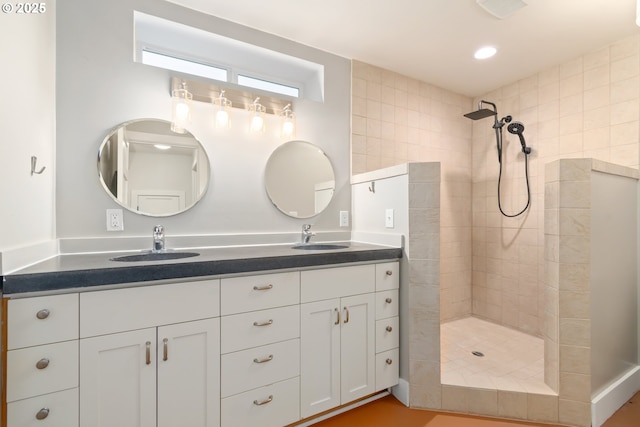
(482, 113)
(517, 128)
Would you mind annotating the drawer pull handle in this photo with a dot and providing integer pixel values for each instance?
(148, 345)
(43, 314)
(337, 316)
(263, 288)
(389, 329)
(42, 414)
(165, 350)
(264, 402)
(346, 317)
(264, 359)
(267, 323)
(42, 363)
(389, 273)
(388, 300)
(389, 361)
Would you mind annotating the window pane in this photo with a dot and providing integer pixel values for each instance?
(268, 86)
(183, 66)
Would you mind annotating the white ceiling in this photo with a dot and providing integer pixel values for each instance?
(434, 40)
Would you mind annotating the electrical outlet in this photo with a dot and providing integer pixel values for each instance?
(388, 218)
(344, 218)
(115, 222)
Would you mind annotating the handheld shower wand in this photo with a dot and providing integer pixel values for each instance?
(517, 128)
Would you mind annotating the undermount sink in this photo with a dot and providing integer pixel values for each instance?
(154, 256)
(319, 246)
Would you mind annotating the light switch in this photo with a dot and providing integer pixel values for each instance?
(388, 218)
(344, 218)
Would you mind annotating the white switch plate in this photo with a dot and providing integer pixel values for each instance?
(115, 222)
(344, 218)
(388, 218)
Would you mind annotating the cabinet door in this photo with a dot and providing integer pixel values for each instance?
(189, 374)
(357, 343)
(320, 356)
(118, 380)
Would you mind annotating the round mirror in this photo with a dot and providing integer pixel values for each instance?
(299, 179)
(150, 170)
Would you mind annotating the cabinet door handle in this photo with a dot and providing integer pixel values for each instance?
(263, 402)
(389, 328)
(267, 323)
(165, 349)
(43, 314)
(388, 300)
(42, 414)
(346, 317)
(264, 359)
(263, 288)
(389, 361)
(337, 316)
(42, 363)
(148, 345)
(389, 273)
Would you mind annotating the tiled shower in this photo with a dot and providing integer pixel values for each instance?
(492, 267)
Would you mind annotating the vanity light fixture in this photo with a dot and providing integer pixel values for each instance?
(181, 108)
(257, 116)
(288, 122)
(223, 100)
(222, 107)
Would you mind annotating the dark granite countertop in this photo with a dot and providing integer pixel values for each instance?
(77, 271)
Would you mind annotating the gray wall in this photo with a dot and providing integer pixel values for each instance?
(99, 86)
(614, 281)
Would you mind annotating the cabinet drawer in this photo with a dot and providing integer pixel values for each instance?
(276, 405)
(119, 310)
(387, 334)
(62, 410)
(42, 320)
(43, 369)
(386, 304)
(387, 276)
(259, 366)
(242, 294)
(242, 331)
(316, 285)
(387, 369)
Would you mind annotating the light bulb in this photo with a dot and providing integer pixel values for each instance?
(287, 127)
(182, 112)
(222, 119)
(257, 123)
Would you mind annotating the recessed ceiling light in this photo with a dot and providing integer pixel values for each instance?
(485, 52)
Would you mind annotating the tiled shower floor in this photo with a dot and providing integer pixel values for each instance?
(513, 361)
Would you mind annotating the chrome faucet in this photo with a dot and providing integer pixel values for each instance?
(307, 233)
(158, 239)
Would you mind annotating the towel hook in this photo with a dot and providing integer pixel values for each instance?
(372, 187)
(34, 161)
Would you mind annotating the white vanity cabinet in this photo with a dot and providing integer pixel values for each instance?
(149, 356)
(387, 325)
(41, 361)
(267, 349)
(337, 337)
(260, 344)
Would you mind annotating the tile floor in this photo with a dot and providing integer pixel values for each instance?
(512, 361)
(388, 412)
